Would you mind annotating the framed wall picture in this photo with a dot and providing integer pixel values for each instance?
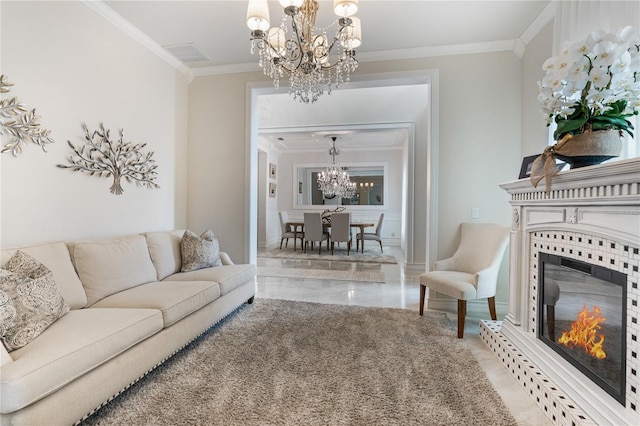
(272, 170)
(272, 190)
(525, 169)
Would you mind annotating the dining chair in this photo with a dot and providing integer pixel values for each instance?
(374, 236)
(314, 231)
(472, 271)
(287, 232)
(341, 230)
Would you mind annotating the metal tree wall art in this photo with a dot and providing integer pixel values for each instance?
(102, 157)
(19, 122)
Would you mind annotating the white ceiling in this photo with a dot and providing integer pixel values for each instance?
(218, 27)
(389, 29)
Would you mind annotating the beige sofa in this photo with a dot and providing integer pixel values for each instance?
(131, 309)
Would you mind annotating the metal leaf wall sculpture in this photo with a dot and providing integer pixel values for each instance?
(21, 123)
(100, 156)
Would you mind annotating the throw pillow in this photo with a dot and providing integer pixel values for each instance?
(29, 301)
(199, 251)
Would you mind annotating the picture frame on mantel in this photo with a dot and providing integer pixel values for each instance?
(272, 190)
(525, 168)
(272, 170)
(527, 163)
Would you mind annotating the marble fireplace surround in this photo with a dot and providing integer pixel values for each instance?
(592, 214)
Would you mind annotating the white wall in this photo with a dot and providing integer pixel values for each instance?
(535, 133)
(74, 67)
(269, 230)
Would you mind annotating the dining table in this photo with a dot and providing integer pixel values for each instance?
(295, 224)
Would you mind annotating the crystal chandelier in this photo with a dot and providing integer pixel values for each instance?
(301, 54)
(335, 180)
(367, 186)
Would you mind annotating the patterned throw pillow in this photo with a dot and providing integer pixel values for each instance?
(199, 252)
(29, 300)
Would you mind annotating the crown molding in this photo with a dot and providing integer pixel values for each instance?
(386, 55)
(547, 14)
(132, 31)
(432, 51)
(225, 69)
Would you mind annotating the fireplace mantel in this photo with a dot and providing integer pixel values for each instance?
(591, 212)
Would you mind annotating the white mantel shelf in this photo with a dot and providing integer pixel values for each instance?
(591, 214)
(616, 183)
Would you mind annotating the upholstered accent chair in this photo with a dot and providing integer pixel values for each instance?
(341, 230)
(374, 236)
(287, 232)
(472, 272)
(314, 231)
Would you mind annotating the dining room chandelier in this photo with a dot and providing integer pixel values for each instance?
(335, 180)
(305, 53)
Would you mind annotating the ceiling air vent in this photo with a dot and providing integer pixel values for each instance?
(187, 53)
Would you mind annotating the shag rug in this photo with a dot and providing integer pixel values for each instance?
(371, 254)
(322, 274)
(279, 362)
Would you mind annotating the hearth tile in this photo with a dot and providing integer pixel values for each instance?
(556, 406)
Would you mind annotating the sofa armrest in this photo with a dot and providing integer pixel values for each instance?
(226, 260)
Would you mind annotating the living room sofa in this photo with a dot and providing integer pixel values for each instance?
(130, 309)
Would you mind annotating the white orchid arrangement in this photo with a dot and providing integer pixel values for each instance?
(593, 84)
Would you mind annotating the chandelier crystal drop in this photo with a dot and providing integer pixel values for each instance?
(335, 180)
(312, 61)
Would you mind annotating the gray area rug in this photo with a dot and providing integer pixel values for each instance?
(280, 362)
(371, 254)
(322, 274)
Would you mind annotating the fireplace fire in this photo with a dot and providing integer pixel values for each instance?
(592, 340)
(584, 333)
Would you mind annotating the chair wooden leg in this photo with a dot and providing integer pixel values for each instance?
(332, 243)
(492, 307)
(423, 291)
(281, 243)
(381, 251)
(462, 312)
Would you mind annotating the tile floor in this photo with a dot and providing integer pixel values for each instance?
(400, 290)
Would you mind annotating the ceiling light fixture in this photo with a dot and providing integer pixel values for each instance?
(335, 180)
(303, 55)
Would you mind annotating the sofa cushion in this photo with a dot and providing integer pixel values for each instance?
(29, 300)
(228, 276)
(72, 346)
(164, 249)
(55, 256)
(175, 300)
(199, 251)
(108, 266)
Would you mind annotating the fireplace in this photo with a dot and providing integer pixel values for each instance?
(582, 317)
(587, 233)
